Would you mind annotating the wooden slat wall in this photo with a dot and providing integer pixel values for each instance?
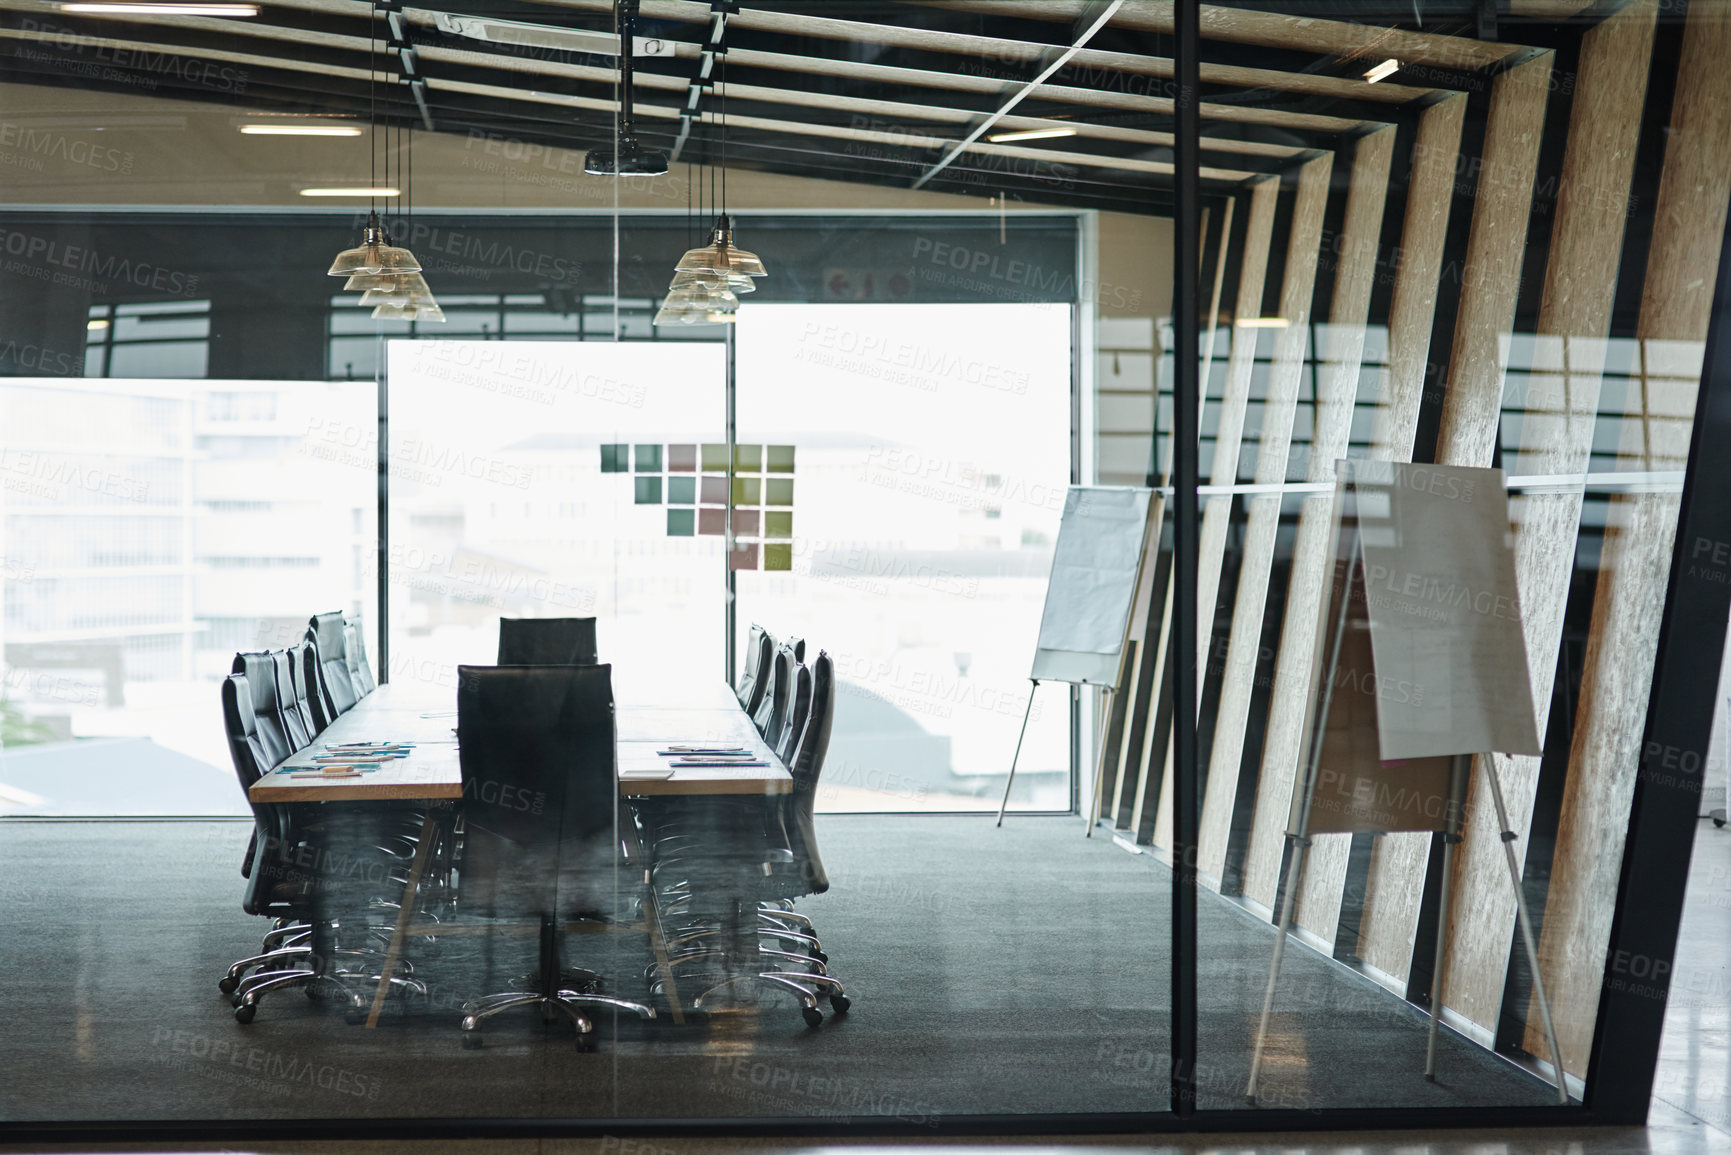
(1367, 191)
(1340, 357)
(1689, 220)
(1496, 245)
(1556, 435)
(1253, 271)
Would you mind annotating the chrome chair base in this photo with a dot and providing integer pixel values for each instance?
(569, 1003)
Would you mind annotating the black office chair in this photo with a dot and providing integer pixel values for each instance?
(797, 645)
(290, 880)
(547, 642)
(786, 743)
(274, 735)
(329, 685)
(297, 697)
(359, 675)
(771, 712)
(540, 787)
(358, 663)
(759, 652)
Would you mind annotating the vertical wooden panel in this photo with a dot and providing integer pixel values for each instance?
(1417, 280)
(1285, 376)
(1689, 220)
(1560, 400)
(1340, 355)
(1252, 271)
(1472, 401)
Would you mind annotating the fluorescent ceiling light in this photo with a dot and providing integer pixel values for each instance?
(1030, 134)
(547, 36)
(97, 323)
(1264, 323)
(300, 130)
(1383, 71)
(350, 192)
(123, 9)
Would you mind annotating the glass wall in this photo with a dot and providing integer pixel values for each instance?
(736, 490)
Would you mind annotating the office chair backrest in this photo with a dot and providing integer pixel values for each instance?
(807, 768)
(772, 710)
(270, 821)
(296, 698)
(352, 658)
(540, 789)
(267, 717)
(748, 667)
(335, 689)
(797, 645)
(786, 743)
(758, 659)
(358, 663)
(294, 725)
(547, 642)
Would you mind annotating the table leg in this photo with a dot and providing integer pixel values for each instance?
(657, 943)
(405, 915)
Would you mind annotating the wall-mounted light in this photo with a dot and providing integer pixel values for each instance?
(253, 129)
(124, 9)
(350, 192)
(1383, 71)
(1029, 134)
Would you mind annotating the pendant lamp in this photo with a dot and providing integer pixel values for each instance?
(737, 282)
(719, 255)
(375, 254)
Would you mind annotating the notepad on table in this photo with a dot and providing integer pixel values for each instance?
(713, 763)
(657, 773)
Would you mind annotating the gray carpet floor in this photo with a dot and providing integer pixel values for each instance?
(992, 971)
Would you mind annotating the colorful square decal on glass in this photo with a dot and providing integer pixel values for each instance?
(615, 459)
(648, 458)
(778, 459)
(747, 491)
(744, 556)
(712, 521)
(748, 458)
(681, 522)
(778, 555)
(745, 523)
(682, 491)
(715, 458)
(715, 491)
(778, 491)
(649, 490)
(682, 459)
(778, 523)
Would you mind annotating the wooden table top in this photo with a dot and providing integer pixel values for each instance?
(433, 770)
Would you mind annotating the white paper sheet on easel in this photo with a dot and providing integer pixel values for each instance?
(1093, 584)
(1444, 609)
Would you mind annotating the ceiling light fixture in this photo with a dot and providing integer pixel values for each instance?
(300, 130)
(96, 324)
(1030, 134)
(1383, 71)
(384, 191)
(122, 9)
(1264, 323)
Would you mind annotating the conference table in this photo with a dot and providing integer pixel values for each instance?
(421, 717)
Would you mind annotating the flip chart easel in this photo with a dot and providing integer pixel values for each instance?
(1096, 568)
(1420, 666)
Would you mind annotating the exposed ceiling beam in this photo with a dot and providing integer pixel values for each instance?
(1089, 21)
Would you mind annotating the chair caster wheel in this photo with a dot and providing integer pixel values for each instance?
(813, 1016)
(820, 956)
(586, 1043)
(243, 1014)
(840, 1003)
(471, 1042)
(354, 1016)
(227, 984)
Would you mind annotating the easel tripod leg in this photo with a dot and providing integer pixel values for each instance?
(1100, 762)
(1294, 874)
(1526, 924)
(1436, 971)
(1016, 757)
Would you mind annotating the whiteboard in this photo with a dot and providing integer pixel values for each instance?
(1093, 584)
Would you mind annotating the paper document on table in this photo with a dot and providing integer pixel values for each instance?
(1095, 565)
(1444, 609)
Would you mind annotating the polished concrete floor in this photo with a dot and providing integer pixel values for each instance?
(1691, 1109)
